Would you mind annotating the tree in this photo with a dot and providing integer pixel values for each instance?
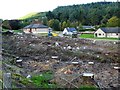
(15, 24)
(50, 15)
(50, 23)
(80, 27)
(55, 24)
(64, 25)
(6, 24)
(113, 22)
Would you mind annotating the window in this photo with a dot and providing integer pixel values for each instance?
(99, 34)
(103, 34)
(116, 33)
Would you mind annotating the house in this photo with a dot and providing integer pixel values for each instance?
(69, 31)
(36, 28)
(111, 32)
(88, 27)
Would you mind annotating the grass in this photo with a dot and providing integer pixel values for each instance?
(85, 87)
(4, 30)
(42, 80)
(1, 74)
(0, 69)
(21, 80)
(92, 37)
(87, 36)
(42, 34)
(15, 31)
(28, 15)
(109, 38)
(18, 31)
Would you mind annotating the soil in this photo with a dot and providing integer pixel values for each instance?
(37, 56)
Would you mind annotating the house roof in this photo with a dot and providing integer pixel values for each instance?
(86, 27)
(71, 29)
(111, 30)
(35, 26)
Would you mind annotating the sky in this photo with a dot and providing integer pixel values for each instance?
(13, 9)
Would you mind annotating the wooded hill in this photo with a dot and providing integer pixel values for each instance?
(99, 13)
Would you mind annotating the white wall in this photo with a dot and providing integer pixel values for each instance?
(26, 30)
(38, 30)
(99, 33)
(66, 32)
(113, 35)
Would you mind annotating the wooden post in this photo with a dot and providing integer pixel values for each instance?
(7, 81)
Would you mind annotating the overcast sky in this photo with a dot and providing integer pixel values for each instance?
(12, 9)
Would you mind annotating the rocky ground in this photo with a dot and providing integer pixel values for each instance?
(67, 57)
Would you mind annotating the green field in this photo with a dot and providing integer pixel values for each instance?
(15, 31)
(87, 36)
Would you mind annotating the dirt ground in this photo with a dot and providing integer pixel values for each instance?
(67, 57)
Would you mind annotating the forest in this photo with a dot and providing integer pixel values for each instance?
(99, 14)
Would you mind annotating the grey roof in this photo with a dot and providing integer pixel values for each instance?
(35, 26)
(111, 30)
(84, 27)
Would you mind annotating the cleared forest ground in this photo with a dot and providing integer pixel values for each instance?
(59, 54)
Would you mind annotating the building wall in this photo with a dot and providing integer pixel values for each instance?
(65, 31)
(113, 35)
(40, 30)
(99, 33)
(26, 30)
(37, 30)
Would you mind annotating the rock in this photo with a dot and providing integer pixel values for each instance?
(28, 76)
(90, 62)
(57, 44)
(54, 57)
(69, 48)
(77, 48)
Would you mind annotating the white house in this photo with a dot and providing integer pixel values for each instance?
(36, 28)
(69, 31)
(111, 32)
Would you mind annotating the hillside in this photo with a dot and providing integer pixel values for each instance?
(76, 15)
(28, 15)
(94, 12)
(33, 15)
(99, 14)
